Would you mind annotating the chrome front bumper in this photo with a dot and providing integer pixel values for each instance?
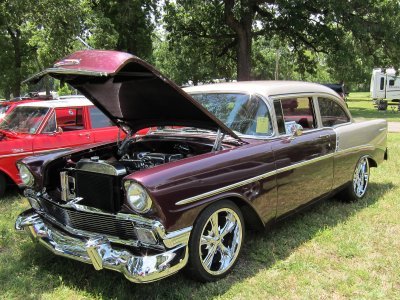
(98, 251)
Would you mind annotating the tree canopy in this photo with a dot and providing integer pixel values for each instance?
(196, 41)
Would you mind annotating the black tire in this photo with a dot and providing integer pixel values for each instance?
(358, 187)
(2, 185)
(220, 247)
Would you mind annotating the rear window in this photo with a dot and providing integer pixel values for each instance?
(332, 113)
(98, 119)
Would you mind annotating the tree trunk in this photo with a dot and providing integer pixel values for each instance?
(16, 39)
(242, 28)
(244, 55)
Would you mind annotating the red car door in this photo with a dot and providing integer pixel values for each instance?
(103, 129)
(65, 128)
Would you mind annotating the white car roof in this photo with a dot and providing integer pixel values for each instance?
(74, 101)
(266, 88)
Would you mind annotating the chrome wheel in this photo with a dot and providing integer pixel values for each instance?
(220, 241)
(361, 177)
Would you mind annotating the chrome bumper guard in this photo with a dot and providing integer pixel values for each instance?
(99, 252)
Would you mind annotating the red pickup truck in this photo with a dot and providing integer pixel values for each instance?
(42, 126)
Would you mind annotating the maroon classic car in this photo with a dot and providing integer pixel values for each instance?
(241, 155)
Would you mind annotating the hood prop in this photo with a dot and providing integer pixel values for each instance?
(218, 140)
(123, 147)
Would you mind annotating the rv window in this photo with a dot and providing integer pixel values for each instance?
(382, 83)
(391, 82)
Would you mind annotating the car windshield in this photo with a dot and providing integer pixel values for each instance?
(24, 119)
(244, 114)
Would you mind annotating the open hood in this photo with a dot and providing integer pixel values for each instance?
(130, 91)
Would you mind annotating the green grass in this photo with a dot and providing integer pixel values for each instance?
(361, 106)
(334, 250)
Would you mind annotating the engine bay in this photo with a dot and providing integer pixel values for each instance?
(95, 177)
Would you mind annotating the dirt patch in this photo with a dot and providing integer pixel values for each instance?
(394, 126)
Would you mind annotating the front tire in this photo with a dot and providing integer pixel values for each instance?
(357, 189)
(2, 185)
(216, 241)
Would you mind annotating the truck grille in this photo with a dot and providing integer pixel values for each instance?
(92, 222)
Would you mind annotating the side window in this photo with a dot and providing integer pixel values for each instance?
(332, 113)
(69, 119)
(298, 111)
(98, 119)
(391, 82)
(382, 84)
(51, 125)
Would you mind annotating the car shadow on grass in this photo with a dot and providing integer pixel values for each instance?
(262, 250)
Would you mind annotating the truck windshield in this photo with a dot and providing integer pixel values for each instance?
(24, 119)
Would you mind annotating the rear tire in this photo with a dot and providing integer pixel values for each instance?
(357, 189)
(2, 185)
(215, 242)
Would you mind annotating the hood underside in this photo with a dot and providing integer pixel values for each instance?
(130, 91)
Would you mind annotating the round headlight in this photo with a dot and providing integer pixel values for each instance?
(26, 176)
(137, 197)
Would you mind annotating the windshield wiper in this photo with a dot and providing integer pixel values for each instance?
(194, 129)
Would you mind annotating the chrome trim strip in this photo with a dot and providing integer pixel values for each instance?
(33, 152)
(356, 148)
(253, 179)
(16, 154)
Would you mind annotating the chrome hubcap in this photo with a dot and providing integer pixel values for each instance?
(360, 178)
(220, 242)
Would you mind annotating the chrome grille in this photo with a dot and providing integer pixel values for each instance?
(92, 222)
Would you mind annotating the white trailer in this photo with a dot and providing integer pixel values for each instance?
(385, 85)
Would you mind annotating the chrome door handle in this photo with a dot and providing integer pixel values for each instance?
(84, 134)
(324, 136)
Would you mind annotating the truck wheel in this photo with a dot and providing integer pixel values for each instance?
(2, 185)
(215, 242)
(357, 189)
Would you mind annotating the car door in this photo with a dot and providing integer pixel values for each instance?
(66, 127)
(102, 127)
(304, 163)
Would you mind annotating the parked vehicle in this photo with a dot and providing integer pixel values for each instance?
(338, 88)
(7, 106)
(385, 86)
(36, 127)
(244, 155)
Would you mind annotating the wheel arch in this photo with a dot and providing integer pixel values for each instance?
(372, 162)
(252, 219)
(7, 177)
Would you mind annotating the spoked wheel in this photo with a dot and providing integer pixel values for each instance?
(361, 178)
(358, 188)
(216, 241)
